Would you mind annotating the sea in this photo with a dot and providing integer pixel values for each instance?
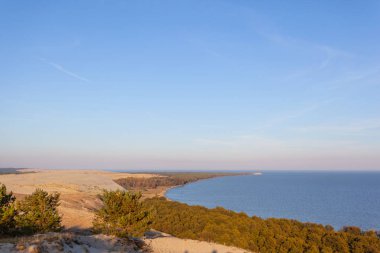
(329, 198)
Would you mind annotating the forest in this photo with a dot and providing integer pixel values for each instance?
(167, 179)
(253, 233)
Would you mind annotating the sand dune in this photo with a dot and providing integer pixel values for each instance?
(65, 181)
(78, 188)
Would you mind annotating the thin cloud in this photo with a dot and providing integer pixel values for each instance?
(66, 71)
(358, 127)
(241, 145)
(331, 54)
(354, 77)
(294, 114)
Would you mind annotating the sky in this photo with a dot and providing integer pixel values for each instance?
(221, 85)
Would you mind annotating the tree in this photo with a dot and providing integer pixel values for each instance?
(352, 230)
(38, 213)
(122, 214)
(7, 211)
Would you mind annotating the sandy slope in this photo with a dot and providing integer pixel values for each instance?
(78, 188)
(176, 245)
(165, 243)
(65, 181)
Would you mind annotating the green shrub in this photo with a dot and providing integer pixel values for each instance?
(7, 211)
(37, 213)
(122, 214)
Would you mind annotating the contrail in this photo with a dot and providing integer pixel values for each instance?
(65, 71)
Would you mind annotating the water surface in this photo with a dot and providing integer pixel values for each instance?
(335, 198)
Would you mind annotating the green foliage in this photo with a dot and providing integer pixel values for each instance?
(256, 234)
(167, 179)
(7, 211)
(38, 213)
(122, 214)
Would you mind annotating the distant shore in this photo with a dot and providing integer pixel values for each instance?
(159, 185)
(164, 191)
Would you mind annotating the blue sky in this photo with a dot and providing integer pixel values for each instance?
(190, 84)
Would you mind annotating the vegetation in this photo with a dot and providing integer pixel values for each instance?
(122, 214)
(167, 179)
(36, 213)
(256, 234)
(7, 211)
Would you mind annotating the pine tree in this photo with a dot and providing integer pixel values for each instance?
(38, 213)
(7, 211)
(122, 214)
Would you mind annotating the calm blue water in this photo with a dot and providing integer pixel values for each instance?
(335, 198)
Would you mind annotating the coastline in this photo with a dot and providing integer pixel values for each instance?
(163, 192)
(160, 183)
(289, 183)
(79, 198)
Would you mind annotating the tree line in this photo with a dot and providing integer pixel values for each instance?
(167, 179)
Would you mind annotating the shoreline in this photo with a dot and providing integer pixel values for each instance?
(336, 225)
(164, 191)
(162, 182)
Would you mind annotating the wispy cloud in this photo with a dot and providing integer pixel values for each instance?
(283, 40)
(331, 54)
(241, 145)
(331, 58)
(65, 71)
(286, 116)
(358, 127)
(354, 77)
(268, 29)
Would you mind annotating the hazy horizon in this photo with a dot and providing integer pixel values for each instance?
(214, 85)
